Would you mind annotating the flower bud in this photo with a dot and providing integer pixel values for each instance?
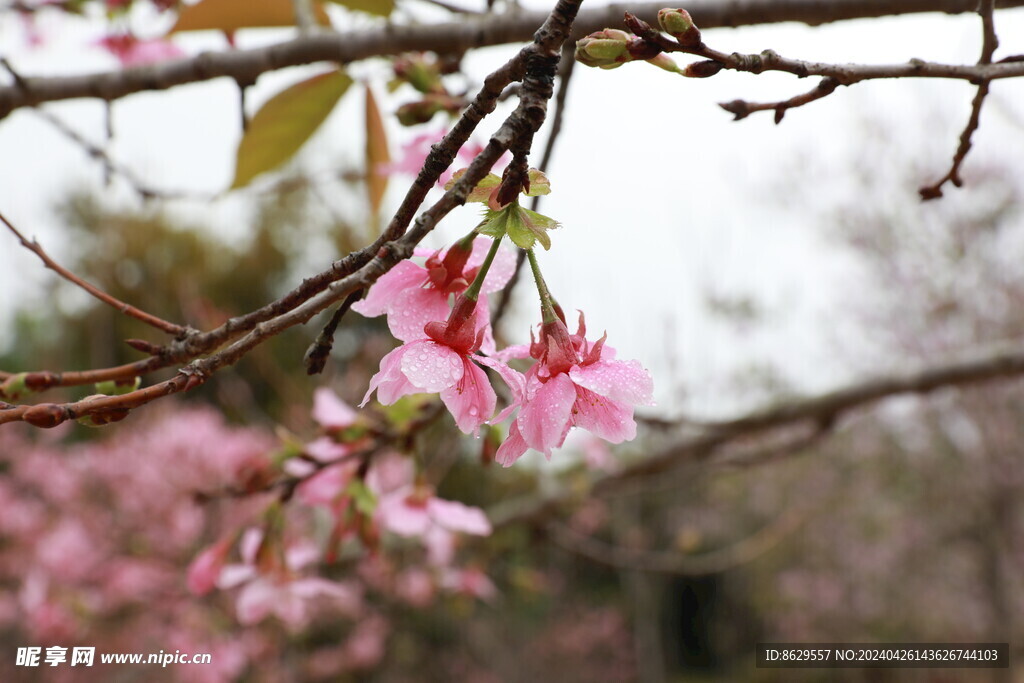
(419, 73)
(678, 24)
(14, 386)
(663, 61)
(45, 415)
(702, 69)
(603, 48)
(414, 113)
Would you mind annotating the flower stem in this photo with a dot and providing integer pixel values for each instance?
(473, 292)
(547, 307)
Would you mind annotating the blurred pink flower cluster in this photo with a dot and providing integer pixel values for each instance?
(96, 538)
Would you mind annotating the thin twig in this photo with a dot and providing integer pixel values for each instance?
(741, 109)
(989, 44)
(113, 302)
(668, 562)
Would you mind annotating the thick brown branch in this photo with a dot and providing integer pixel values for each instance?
(245, 66)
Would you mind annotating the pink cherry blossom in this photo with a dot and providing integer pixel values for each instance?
(575, 383)
(131, 51)
(330, 411)
(414, 512)
(414, 155)
(413, 295)
(410, 511)
(207, 566)
(281, 592)
(447, 364)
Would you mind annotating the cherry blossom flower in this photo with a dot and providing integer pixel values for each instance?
(205, 569)
(575, 383)
(414, 155)
(330, 411)
(445, 363)
(131, 51)
(413, 511)
(280, 592)
(413, 295)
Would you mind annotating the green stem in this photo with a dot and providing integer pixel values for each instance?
(547, 307)
(473, 292)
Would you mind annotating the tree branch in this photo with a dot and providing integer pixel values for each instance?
(537, 63)
(820, 411)
(113, 302)
(245, 66)
(988, 47)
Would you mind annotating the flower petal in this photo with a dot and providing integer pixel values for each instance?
(456, 516)
(330, 411)
(256, 601)
(410, 310)
(396, 515)
(403, 276)
(471, 400)
(513, 378)
(431, 367)
(513, 447)
(544, 420)
(625, 381)
(604, 417)
(326, 449)
(391, 384)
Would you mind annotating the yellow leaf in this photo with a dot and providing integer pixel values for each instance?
(376, 153)
(382, 8)
(231, 15)
(285, 122)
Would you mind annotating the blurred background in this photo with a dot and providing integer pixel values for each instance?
(742, 263)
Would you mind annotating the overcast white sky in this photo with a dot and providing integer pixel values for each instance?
(663, 198)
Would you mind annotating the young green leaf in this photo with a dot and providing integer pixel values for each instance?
(523, 227)
(539, 183)
(482, 191)
(362, 496)
(285, 122)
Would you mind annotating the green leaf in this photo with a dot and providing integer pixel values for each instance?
(482, 191)
(405, 410)
(382, 8)
(285, 122)
(523, 227)
(495, 223)
(362, 497)
(539, 183)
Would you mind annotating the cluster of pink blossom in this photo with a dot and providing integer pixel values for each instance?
(447, 346)
(97, 541)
